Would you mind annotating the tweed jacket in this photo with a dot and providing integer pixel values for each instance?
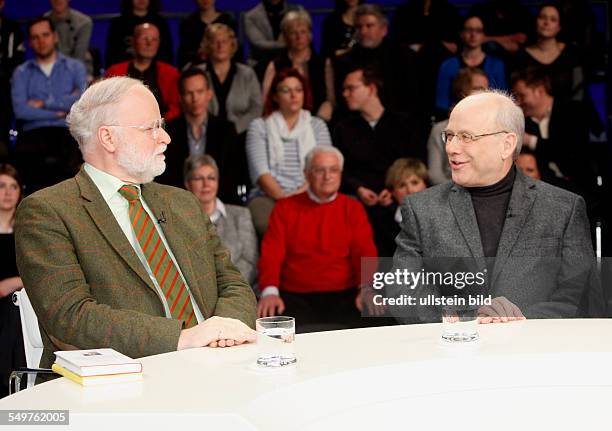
(545, 260)
(87, 285)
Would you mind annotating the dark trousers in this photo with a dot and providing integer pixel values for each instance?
(323, 311)
(46, 156)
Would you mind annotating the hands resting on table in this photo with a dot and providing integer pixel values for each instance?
(500, 310)
(216, 332)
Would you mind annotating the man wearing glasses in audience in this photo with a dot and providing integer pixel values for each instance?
(310, 266)
(111, 259)
(531, 239)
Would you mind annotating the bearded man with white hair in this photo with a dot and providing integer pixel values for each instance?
(111, 259)
(529, 241)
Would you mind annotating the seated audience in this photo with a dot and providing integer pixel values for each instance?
(12, 355)
(263, 31)
(528, 164)
(556, 129)
(339, 28)
(44, 88)
(119, 43)
(430, 28)
(233, 223)
(197, 132)
(88, 248)
(404, 177)
(560, 61)
(277, 144)
(296, 28)
(310, 266)
(236, 90)
(472, 55)
(370, 140)
(73, 30)
(507, 24)
(12, 54)
(160, 77)
(192, 29)
(397, 67)
(468, 80)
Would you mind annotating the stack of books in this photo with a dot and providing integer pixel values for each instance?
(97, 367)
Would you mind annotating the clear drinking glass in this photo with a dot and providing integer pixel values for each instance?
(275, 336)
(460, 324)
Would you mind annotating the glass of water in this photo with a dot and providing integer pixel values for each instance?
(460, 324)
(275, 336)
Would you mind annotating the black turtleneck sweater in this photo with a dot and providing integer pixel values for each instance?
(491, 204)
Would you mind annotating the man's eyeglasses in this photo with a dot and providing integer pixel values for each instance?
(333, 170)
(154, 127)
(465, 137)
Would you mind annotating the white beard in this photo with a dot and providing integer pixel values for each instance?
(141, 167)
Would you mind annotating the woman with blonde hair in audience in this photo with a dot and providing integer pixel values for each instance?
(11, 342)
(237, 93)
(296, 28)
(277, 144)
(404, 177)
(233, 223)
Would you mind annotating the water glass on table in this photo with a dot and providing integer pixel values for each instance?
(275, 341)
(460, 324)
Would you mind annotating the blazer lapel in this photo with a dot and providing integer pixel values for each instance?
(521, 201)
(161, 208)
(463, 210)
(105, 221)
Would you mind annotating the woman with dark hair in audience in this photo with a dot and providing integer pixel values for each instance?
(296, 28)
(233, 223)
(471, 55)
(12, 355)
(560, 61)
(237, 94)
(119, 37)
(339, 28)
(192, 29)
(277, 144)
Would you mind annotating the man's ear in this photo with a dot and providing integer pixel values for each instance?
(107, 138)
(510, 143)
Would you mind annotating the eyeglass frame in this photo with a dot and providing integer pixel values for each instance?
(155, 126)
(470, 138)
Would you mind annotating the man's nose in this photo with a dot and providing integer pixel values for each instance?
(164, 137)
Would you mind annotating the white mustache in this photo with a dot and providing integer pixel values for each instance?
(163, 148)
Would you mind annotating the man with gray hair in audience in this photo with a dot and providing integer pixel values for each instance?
(395, 65)
(111, 259)
(531, 240)
(310, 264)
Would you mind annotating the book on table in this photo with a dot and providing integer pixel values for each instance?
(96, 362)
(103, 379)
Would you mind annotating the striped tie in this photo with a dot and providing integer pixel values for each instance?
(162, 266)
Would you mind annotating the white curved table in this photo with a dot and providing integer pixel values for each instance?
(539, 374)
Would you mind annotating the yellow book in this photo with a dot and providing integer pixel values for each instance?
(97, 380)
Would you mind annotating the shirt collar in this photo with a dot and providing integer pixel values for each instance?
(316, 199)
(219, 211)
(106, 183)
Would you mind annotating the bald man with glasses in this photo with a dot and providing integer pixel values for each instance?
(530, 239)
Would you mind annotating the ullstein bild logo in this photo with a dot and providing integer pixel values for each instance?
(413, 279)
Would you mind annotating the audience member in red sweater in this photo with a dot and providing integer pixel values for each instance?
(160, 77)
(311, 254)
